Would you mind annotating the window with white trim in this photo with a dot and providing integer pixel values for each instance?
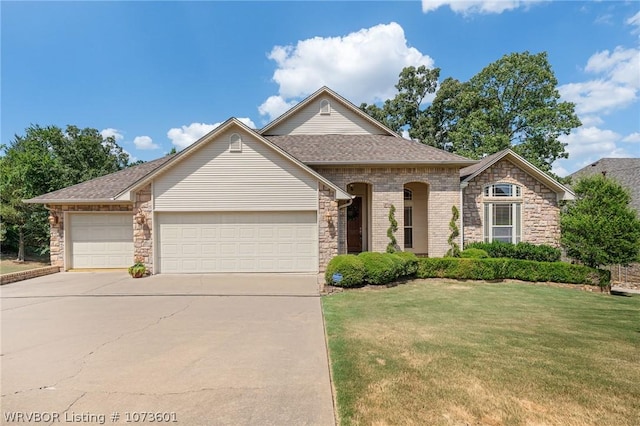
(235, 143)
(325, 107)
(503, 213)
(408, 218)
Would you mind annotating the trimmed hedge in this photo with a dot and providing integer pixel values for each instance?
(351, 268)
(504, 268)
(371, 268)
(474, 253)
(524, 251)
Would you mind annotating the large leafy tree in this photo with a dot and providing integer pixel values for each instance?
(512, 103)
(600, 227)
(43, 160)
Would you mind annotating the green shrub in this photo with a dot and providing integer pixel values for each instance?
(474, 253)
(504, 268)
(379, 268)
(524, 251)
(350, 266)
(411, 262)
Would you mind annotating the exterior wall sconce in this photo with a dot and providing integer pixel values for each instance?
(140, 218)
(53, 219)
(328, 217)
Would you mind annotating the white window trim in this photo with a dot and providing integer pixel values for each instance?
(515, 201)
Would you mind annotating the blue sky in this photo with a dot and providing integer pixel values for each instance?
(162, 74)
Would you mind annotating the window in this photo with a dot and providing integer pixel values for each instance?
(408, 218)
(235, 143)
(503, 213)
(325, 107)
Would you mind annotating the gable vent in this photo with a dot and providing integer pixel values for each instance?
(235, 143)
(325, 107)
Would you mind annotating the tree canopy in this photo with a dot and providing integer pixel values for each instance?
(600, 227)
(511, 103)
(43, 160)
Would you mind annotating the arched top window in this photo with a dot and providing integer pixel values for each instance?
(408, 194)
(502, 190)
(325, 107)
(235, 143)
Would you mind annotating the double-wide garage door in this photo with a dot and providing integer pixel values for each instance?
(101, 240)
(237, 242)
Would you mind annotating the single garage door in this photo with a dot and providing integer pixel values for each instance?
(238, 242)
(101, 240)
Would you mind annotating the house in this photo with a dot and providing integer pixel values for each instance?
(318, 181)
(626, 171)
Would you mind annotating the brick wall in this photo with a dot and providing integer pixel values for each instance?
(387, 187)
(328, 226)
(143, 232)
(56, 242)
(25, 275)
(540, 211)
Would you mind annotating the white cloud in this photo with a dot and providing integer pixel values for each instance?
(117, 135)
(591, 120)
(363, 66)
(144, 142)
(466, 7)
(617, 84)
(275, 106)
(632, 138)
(184, 136)
(635, 21)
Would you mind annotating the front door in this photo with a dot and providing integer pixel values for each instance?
(354, 226)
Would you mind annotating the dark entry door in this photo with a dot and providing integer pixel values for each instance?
(354, 226)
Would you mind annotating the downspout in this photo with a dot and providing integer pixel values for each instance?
(463, 185)
(340, 207)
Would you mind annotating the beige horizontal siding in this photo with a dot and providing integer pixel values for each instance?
(256, 179)
(309, 121)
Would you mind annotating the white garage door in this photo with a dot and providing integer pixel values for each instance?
(101, 240)
(238, 242)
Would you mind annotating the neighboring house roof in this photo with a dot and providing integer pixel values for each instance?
(118, 186)
(104, 188)
(624, 170)
(363, 149)
(325, 91)
(468, 173)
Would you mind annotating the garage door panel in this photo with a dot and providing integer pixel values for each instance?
(238, 242)
(100, 240)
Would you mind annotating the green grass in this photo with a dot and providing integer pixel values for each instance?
(450, 353)
(8, 264)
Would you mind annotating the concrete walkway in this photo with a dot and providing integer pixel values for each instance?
(200, 349)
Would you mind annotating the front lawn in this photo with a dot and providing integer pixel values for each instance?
(9, 265)
(439, 352)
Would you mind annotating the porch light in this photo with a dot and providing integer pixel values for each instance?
(327, 216)
(140, 218)
(53, 219)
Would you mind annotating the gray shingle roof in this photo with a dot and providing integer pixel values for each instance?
(105, 187)
(625, 170)
(362, 149)
(468, 171)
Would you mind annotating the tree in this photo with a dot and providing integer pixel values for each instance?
(43, 160)
(600, 228)
(392, 246)
(454, 247)
(512, 103)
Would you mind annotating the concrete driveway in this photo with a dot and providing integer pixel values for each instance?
(197, 349)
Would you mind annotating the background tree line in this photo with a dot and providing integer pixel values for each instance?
(43, 160)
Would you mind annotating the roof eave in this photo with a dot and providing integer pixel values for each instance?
(75, 201)
(391, 163)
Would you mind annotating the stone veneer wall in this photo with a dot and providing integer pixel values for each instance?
(57, 229)
(387, 187)
(540, 210)
(328, 226)
(143, 232)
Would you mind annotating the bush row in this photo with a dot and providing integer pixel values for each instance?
(370, 268)
(504, 268)
(524, 251)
